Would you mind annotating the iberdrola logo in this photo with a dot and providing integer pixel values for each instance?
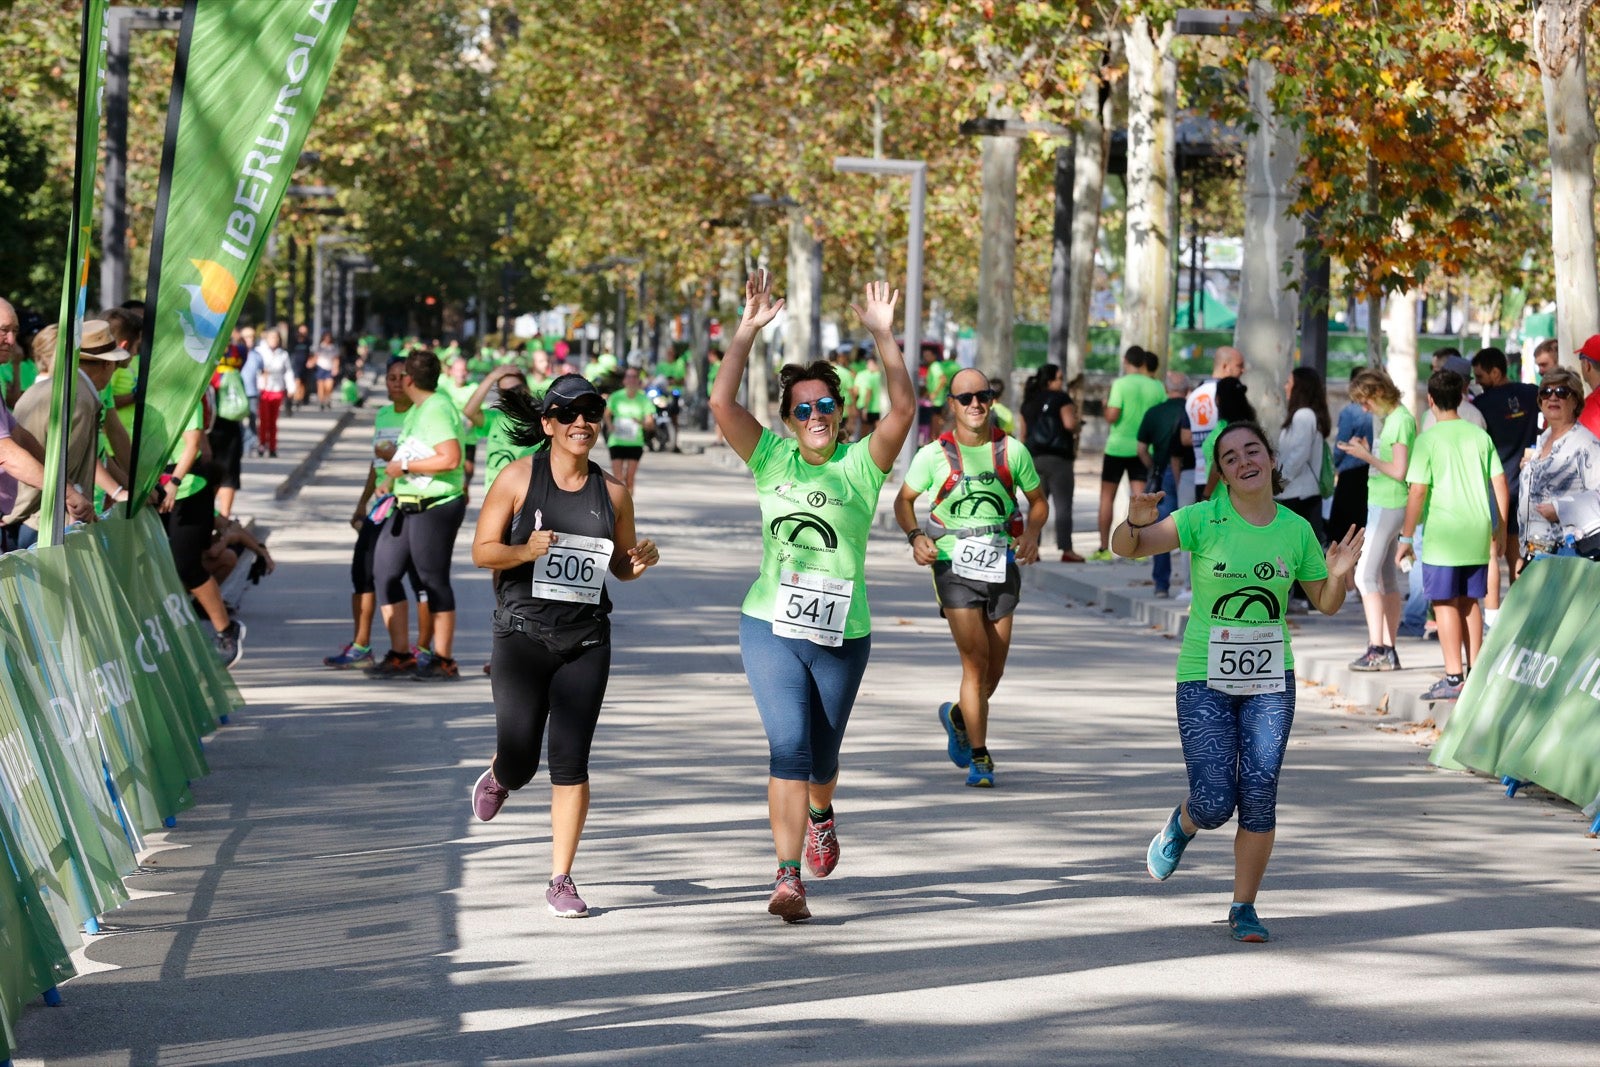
(208, 308)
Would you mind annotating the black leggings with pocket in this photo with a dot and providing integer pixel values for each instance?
(533, 686)
(421, 543)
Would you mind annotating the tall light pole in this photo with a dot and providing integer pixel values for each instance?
(917, 171)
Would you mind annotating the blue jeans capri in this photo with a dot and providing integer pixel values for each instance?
(804, 693)
(1233, 747)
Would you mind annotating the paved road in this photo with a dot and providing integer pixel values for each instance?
(329, 901)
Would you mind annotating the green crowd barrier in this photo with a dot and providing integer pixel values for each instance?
(108, 682)
(1531, 708)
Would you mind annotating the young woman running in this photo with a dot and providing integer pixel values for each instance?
(805, 628)
(630, 417)
(551, 527)
(1235, 669)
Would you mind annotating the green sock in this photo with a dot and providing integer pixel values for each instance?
(788, 863)
(821, 816)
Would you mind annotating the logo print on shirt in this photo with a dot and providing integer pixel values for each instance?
(1265, 571)
(1253, 603)
(799, 522)
(980, 501)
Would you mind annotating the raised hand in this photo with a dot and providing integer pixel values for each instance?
(759, 307)
(878, 314)
(1142, 509)
(1342, 555)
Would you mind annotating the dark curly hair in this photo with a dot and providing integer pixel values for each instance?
(793, 374)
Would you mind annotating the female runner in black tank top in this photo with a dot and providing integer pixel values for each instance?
(552, 650)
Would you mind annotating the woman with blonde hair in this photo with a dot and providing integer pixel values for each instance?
(1377, 575)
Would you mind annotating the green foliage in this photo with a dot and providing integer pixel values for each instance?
(34, 217)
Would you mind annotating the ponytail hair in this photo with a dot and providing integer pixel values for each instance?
(525, 414)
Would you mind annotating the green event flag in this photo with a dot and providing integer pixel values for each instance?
(75, 277)
(246, 84)
(1531, 707)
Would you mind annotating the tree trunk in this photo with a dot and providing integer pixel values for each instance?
(1559, 41)
(997, 259)
(1268, 310)
(1152, 103)
(801, 338)
(1401, 329)
(1088, 186)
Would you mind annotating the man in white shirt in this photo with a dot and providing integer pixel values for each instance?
(1201, 409)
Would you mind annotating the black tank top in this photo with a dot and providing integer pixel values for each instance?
(587, 512)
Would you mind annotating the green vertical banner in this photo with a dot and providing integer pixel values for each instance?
(1531, 708)
(247, 82)
(91, 91)
(32, 955)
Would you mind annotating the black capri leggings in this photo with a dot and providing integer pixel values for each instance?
(361, 560)
(424, 541)
(533, 686)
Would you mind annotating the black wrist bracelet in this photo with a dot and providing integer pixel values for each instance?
(1139, 526)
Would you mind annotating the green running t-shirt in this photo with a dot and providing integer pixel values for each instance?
(428, 425)
(979, 499)
(1241, 574)
(386, 427)
(1399, 428)
(815, 520)
(1455, 460)
(1133, 395)
(627, 418)
(192, 483)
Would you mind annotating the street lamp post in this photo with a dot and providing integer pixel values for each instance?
(917, 171)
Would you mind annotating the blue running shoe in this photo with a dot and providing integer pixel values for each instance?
(1244, 924)
(1166, 848)
(981, 773)
(959, 750)
(353, 655)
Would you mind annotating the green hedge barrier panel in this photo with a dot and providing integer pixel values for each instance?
(1531, 707)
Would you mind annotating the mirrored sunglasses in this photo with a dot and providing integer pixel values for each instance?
(982, 396)
(825, 406)
(567, 414)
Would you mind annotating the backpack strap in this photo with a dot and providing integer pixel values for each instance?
(952, 455)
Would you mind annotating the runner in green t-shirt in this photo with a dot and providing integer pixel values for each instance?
(1132, 395)
(1454, 471)
(937, 387)
(974, 550)
(372, 510)
(490, 421)
(1236, 687)
(805, 628)
(430, 502)
(630, 415)
(841, 360)
(459, 387)
(1378, 577)
(869, 399)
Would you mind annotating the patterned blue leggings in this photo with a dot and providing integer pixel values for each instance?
(1233, 747)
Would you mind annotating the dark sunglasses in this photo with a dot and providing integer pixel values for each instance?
(826, 406)
(567, 414)
(1560, 392)
(982, 396)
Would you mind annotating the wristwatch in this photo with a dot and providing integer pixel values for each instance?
(912, 535)
(405, 465)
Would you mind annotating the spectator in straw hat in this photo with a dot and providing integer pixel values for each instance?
(98, 358)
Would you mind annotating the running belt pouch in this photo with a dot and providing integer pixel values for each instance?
(563, 642)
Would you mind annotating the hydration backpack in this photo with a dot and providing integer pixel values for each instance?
(1002, 470)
